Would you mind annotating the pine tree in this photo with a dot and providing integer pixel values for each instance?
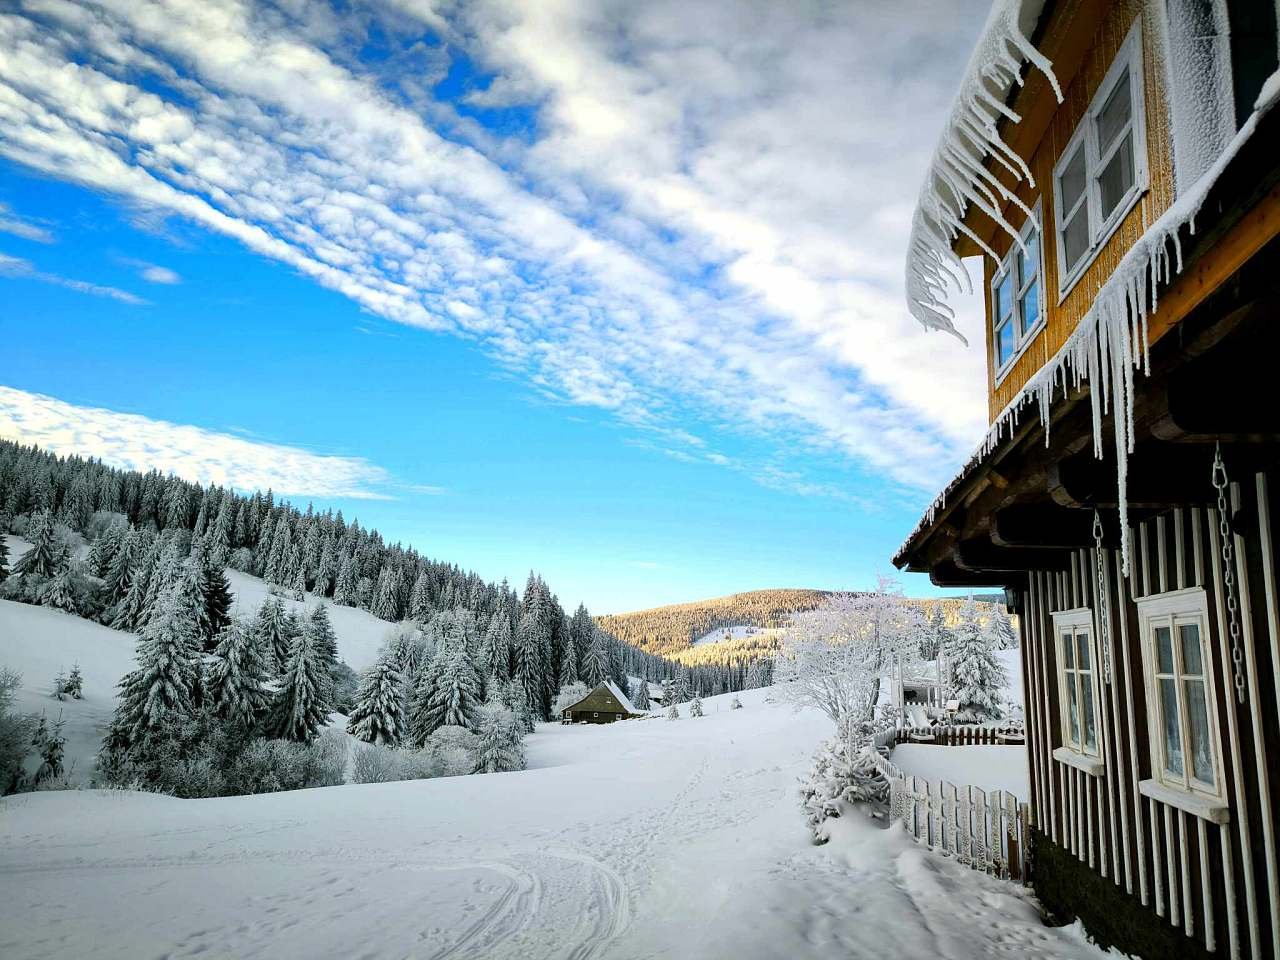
(673, 712)
(735, 703)
(420, 599)
(119, 572)
(130, 611)
(386, 604)
(640, 694)
(77, 507)
(237, 676)
(213, 605)
(496, 647)
(104, 549)
(529, 661)
(695, 708)
(936, 636)
(47, 554)
(978, 676)
(274, 631)
(301, 706)
(74, 687)
(1003, 636)
(499, 739)
(161, 687)
(595, 662)
(378, 715)
(345, 589)
(61, 592)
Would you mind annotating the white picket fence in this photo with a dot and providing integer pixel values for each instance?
(960, 735)
(984, 830)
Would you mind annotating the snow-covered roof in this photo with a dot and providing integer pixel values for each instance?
(959, 175)
(618, 695)
(1111, 342)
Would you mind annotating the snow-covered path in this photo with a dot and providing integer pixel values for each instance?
(642, 839)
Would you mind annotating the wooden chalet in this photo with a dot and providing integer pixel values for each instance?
(1124, 194)
(605, 704)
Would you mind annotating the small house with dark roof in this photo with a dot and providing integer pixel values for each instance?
(605, 704)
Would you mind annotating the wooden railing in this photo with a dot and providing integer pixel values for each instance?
(986, 830)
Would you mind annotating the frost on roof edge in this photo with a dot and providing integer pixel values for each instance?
(959, 176)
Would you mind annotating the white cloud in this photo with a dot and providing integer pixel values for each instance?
(774, 149)
(22, 227)
(154, 274)
(205, 456)
(18, 267)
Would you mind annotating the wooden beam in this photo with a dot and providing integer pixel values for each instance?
(982, 556)
(1042, 525)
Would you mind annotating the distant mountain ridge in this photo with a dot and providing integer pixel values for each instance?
(670, 631)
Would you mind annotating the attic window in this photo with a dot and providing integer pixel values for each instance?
(1103, 170)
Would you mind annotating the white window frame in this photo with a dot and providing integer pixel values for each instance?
(1128, 57)
(1074, 752)
(1170, 609)
(1021, 284)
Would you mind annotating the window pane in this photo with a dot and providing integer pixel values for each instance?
(1004, 344)
(1082, 658)
(1031, 306)
(1029, 262)
(1073, 709)
(1004, 295)
(1189, 635)
(1169, 720)
(1071, 182)
(1068, 651)
(1075, 237)
(1164, 651)
(1198, 722)
(1090, 735)
(1114, 114)
(1117, 176)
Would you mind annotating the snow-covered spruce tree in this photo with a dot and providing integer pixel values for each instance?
(843, 772)
(530, 640)
(569, 694)
(237, 676)
(161, 687)
(119, 570)
(15, 734)
(735, 703)
(386, 604)
(130, 610)
(595, 660)
(323, 635)
(673, 712)
(455, 693)
(499, 739)
(936, 636)
(1003, 636)
(51, 750)
(301, 705)
(695, 707)
(640, 694)
(345, 587)
(74, 685)
(105, 548)
(274, 630)
(62, 592)
(496, 646)
(511, 694)
(47, 555)
(4, 556)
(977, 675)
(378, 715)
(420, 599)
(676, 690)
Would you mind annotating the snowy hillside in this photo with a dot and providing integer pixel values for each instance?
(641, 839)
(722, 634)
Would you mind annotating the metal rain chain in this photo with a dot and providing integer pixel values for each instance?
(1104, 615)
(1220, 484)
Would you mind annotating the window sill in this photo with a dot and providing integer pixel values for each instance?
(1206, 808)
(1090, 765)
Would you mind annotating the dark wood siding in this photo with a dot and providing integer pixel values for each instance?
(1217, 883)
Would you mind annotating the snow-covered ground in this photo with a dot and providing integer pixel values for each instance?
(990, 767)
(726, 633)
(646, 838)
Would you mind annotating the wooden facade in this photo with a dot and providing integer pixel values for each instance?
(1152, 695)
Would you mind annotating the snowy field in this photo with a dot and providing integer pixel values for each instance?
(641, 839)
(726, 633)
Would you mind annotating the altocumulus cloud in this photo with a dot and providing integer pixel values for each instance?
(707, 222)
(199, 455)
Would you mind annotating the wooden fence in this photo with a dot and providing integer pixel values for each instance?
(984, 830)
(959, 735)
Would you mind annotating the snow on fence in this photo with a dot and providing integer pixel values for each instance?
(958, 735)
(984, 830)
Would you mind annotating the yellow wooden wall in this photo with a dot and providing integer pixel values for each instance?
(1078, 90)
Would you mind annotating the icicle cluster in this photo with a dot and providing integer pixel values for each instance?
(959, 176)
(1111, 340)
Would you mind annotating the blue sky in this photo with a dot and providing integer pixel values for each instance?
(570, 288)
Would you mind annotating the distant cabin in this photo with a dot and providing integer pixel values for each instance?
(605, 704)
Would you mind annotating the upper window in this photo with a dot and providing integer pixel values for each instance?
(1017, 309)
(1185, 753)
(1103, 170)
(1077, 681)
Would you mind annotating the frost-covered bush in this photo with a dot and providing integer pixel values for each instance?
(241, 559)
(102, 521)
(673, 712)
(695, 707)
(454, 749)
(735, 703)
(268, 766)
(843, 774)
(375, 763)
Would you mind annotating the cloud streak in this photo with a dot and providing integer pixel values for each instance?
(689, 238)
(18, 226)
(18, 267)
(204, 456)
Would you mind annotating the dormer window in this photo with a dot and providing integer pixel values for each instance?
(1017, 307)
(1103, 171)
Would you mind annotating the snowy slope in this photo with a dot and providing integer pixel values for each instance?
(991, 767)
(639, 839)
(726, 633)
